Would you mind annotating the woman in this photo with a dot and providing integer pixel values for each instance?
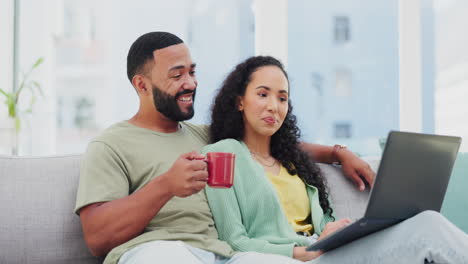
(279, 193)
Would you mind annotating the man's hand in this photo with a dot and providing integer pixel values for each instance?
(188, 175)
(355, 168)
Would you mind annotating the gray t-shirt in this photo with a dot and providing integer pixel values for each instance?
(126, 157)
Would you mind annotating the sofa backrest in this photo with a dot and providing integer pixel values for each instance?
(455, 206)
(37, 223)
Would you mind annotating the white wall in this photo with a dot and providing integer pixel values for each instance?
(271, 28)
(37, 20)
(6, 70)
(410, 65)
(6, 47)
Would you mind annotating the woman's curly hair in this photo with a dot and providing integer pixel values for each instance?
(227, 122)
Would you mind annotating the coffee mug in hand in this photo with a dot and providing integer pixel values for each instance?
(220, 169)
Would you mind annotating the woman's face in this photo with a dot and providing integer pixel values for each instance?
(265, 103)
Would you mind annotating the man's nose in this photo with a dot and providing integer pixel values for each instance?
(190, 83)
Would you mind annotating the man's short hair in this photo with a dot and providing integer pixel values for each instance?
(142, 50)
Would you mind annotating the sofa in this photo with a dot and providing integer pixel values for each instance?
(37, 197)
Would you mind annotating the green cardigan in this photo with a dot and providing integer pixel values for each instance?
(249, 215)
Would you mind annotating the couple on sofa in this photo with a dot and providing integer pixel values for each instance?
(142, 196)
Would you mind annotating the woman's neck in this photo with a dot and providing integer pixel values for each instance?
(259, 145)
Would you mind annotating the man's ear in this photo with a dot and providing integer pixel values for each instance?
(240, 103)
(141, 85)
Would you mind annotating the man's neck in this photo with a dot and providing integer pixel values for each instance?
(154, 121)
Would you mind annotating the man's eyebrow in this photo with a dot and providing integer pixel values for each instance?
(179, 67)
(264, 87)
(269, 89)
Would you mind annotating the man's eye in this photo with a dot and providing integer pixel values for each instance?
(282, 99)
(176, 76)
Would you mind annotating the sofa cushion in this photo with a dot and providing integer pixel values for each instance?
(37, 197)
(346, 199)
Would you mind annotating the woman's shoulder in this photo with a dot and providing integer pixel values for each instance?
(225, 145)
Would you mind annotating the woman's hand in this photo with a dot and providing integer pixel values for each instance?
(331, 227)
(300, 253)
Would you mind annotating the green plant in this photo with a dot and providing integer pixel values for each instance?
(12, 98)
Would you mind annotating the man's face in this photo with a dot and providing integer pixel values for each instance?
(173, 82)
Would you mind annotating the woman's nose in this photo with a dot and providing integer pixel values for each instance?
(272, 105)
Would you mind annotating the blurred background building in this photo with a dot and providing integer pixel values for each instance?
(342, 57)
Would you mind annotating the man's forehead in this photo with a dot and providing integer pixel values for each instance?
(173, 55)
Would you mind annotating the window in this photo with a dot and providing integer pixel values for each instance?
(342, 130)
(342, 29)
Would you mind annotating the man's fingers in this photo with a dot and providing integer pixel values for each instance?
(199, 185)
(193, 156)
(369, 175)
(197, 156)
(200, 176)
(198, 164)
(357, 180)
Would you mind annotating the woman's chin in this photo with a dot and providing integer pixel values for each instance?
(268, 132)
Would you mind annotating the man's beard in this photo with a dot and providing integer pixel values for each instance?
(167, 105)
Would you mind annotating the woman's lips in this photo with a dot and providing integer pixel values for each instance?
(269, 120)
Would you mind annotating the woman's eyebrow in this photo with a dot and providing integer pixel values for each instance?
(269, 89)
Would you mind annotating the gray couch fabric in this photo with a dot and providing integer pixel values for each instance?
(37, 197)
(37, 225)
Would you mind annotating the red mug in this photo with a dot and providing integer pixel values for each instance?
(220, 169)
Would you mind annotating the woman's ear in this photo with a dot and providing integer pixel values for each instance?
(240, 103)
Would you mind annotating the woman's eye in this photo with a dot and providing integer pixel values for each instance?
(282, 99)
(176, 76)
(192, 73)
(262, 94)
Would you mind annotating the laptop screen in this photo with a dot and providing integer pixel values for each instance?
(413, 175)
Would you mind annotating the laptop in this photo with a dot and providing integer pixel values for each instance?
(412, 177)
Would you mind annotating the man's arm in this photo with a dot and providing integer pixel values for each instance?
(353, 167)
(109, 224)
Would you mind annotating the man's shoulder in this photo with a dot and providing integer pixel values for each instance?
(200, 131)
(114, 133)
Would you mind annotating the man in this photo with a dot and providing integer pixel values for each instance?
(139, 197)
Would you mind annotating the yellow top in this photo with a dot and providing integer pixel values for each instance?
(293, 198)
